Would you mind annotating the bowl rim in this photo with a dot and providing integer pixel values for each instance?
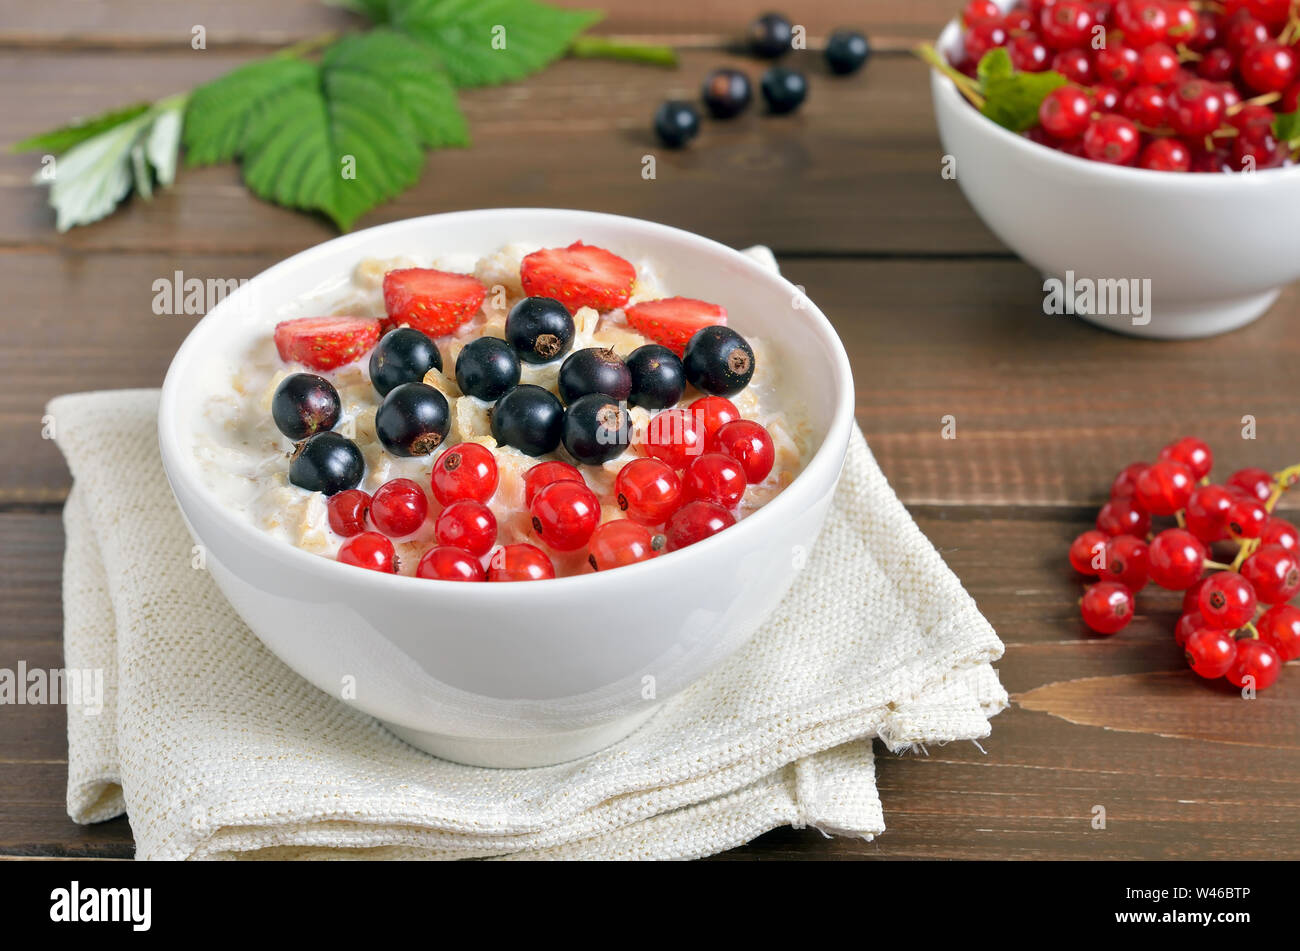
(1146, 177)
(829, 454)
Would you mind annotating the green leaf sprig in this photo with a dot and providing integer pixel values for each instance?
(1007, 96)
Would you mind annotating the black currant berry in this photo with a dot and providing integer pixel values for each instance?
(540, 329)
(846, 51)
(658, 378)
(594, 370)
(529, 418)
(413, 420)
(718, 361)
(304, 404)
(770, 35)
(402, 356)
(596, 429)
(676, 123)
(783, 89)
(487, 368)
(726, 93)
(326, 462)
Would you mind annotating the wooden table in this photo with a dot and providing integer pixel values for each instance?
(937, 316)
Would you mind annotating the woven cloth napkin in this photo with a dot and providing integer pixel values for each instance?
(215, 749)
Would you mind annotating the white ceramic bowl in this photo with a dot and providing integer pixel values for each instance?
(1217, 248)
(529, 673)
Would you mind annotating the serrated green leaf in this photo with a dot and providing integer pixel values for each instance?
(483, 42)
(60, 140)
(995, 64)
(1286, 126)
(219, 112)
(1012, 99)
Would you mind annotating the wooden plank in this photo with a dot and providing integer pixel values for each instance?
(1047, 409)
(573, 136)
(134, 24)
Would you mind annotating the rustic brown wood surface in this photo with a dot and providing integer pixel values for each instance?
(937, 316)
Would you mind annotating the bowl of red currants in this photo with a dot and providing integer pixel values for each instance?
(1141, 154)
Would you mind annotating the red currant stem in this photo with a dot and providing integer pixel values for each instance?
(1186, 55)
(1261, 100)
(1217, 565)
(965, 85)
(1248, 546)
(1254, 631)
(1178, 517)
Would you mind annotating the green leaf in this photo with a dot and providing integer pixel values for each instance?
(339, 136)
(483, 42)
(93, 176)
(1011, 99)
(65, 137)
(1286, 126)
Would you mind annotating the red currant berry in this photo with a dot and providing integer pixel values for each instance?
(1228, 600)
(1217, 65)
(1274, 573)
(1210, 652)
(448, 563)
(565, 514)
(369, 550)
(347, 512)
(648, 491)
(1157, 64)
(1176, 558)
(399, 508)
(1204, 34)
(1280, 626)
(1125, 483)
(1182, 21)
(1146, 105)
(621, 542)
(1123, 517)
(1207, 513)
(465, 471)
(1191, 452)
(983, 37)
(521, 562)
(1028, 53)
(1126, 562)
(675, 436)
(1291, 98)
(1282, 533)
(978, 10)
(1244, 32)
(1252, 154)
(1253, 121)
(1196, 108)
(1107, 607)
(1192, 598)
(696, 521)
(715, 477)
(1076, 66)
(1142, 22)
(544, 473)
(1257, 665)
(1065, 23)
(1117, 65)
(1165, 155)
(467, 524)
(1065, 112)
(1087, 553)
(1247, 518)
(1105, 98)
(1187, 625)
(1164, 487)
(713, 412)
(1272, 13)
(1257, 483)
(749, 444)
(1111, 139)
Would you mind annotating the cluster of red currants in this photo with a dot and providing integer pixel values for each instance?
(1236, 622)
(1167, 85)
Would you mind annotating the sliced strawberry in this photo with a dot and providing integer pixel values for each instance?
(433, 302)
(580, 275)
(674, 320)
(324, 343)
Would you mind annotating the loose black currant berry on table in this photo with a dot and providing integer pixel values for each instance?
(403, 355)
(304, 404)
(718, 361)
(594, 370)
(529, 418)
(770, 35)
(726, 93)
(783, 89)
(596, 429)
(846, 51)
(676, 123)
(658, 378)
(412, 420)
(326, 462)
(487, 368)
(540, 329)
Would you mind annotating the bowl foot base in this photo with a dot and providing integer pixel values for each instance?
(1188, 320)
(544, 750)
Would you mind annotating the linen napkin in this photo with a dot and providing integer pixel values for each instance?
(215, 749)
